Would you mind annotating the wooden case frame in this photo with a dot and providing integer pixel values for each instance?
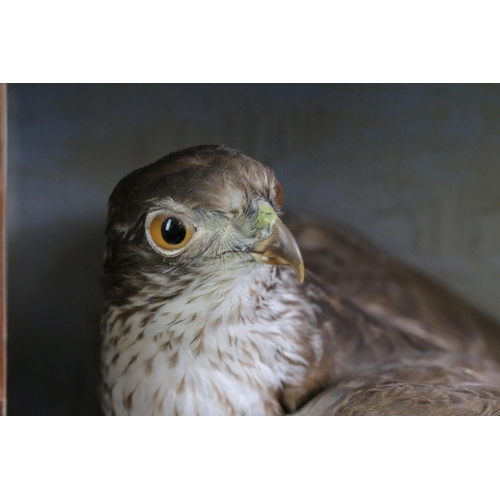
(3, 167)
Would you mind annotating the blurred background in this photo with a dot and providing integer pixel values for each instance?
(414, 167)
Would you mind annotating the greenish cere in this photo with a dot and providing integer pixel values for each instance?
(265, 216)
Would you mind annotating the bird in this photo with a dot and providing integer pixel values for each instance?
(217, 303)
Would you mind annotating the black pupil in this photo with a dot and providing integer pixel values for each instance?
(173, 231)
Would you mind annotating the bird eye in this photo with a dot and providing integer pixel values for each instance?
(170, 233)
(278, 197)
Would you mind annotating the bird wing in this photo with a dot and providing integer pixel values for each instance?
(385, 287)
(398, 398)
(435, 385)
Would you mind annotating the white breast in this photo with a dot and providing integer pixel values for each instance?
(213, 350)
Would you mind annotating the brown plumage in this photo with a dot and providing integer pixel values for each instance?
(385, 286)
(219, 324)
(461, 380)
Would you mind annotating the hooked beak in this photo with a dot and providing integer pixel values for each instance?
(280, 249)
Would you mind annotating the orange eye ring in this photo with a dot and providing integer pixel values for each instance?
(170, 232)
(278, 197)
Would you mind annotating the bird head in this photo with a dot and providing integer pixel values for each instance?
(200, 208)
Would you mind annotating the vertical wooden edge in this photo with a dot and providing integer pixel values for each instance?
(3, 193)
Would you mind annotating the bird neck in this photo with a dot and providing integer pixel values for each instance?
(225, 296)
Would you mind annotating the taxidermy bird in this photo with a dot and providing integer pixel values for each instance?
(209, 310)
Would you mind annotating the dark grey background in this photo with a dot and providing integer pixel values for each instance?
(415, 167)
